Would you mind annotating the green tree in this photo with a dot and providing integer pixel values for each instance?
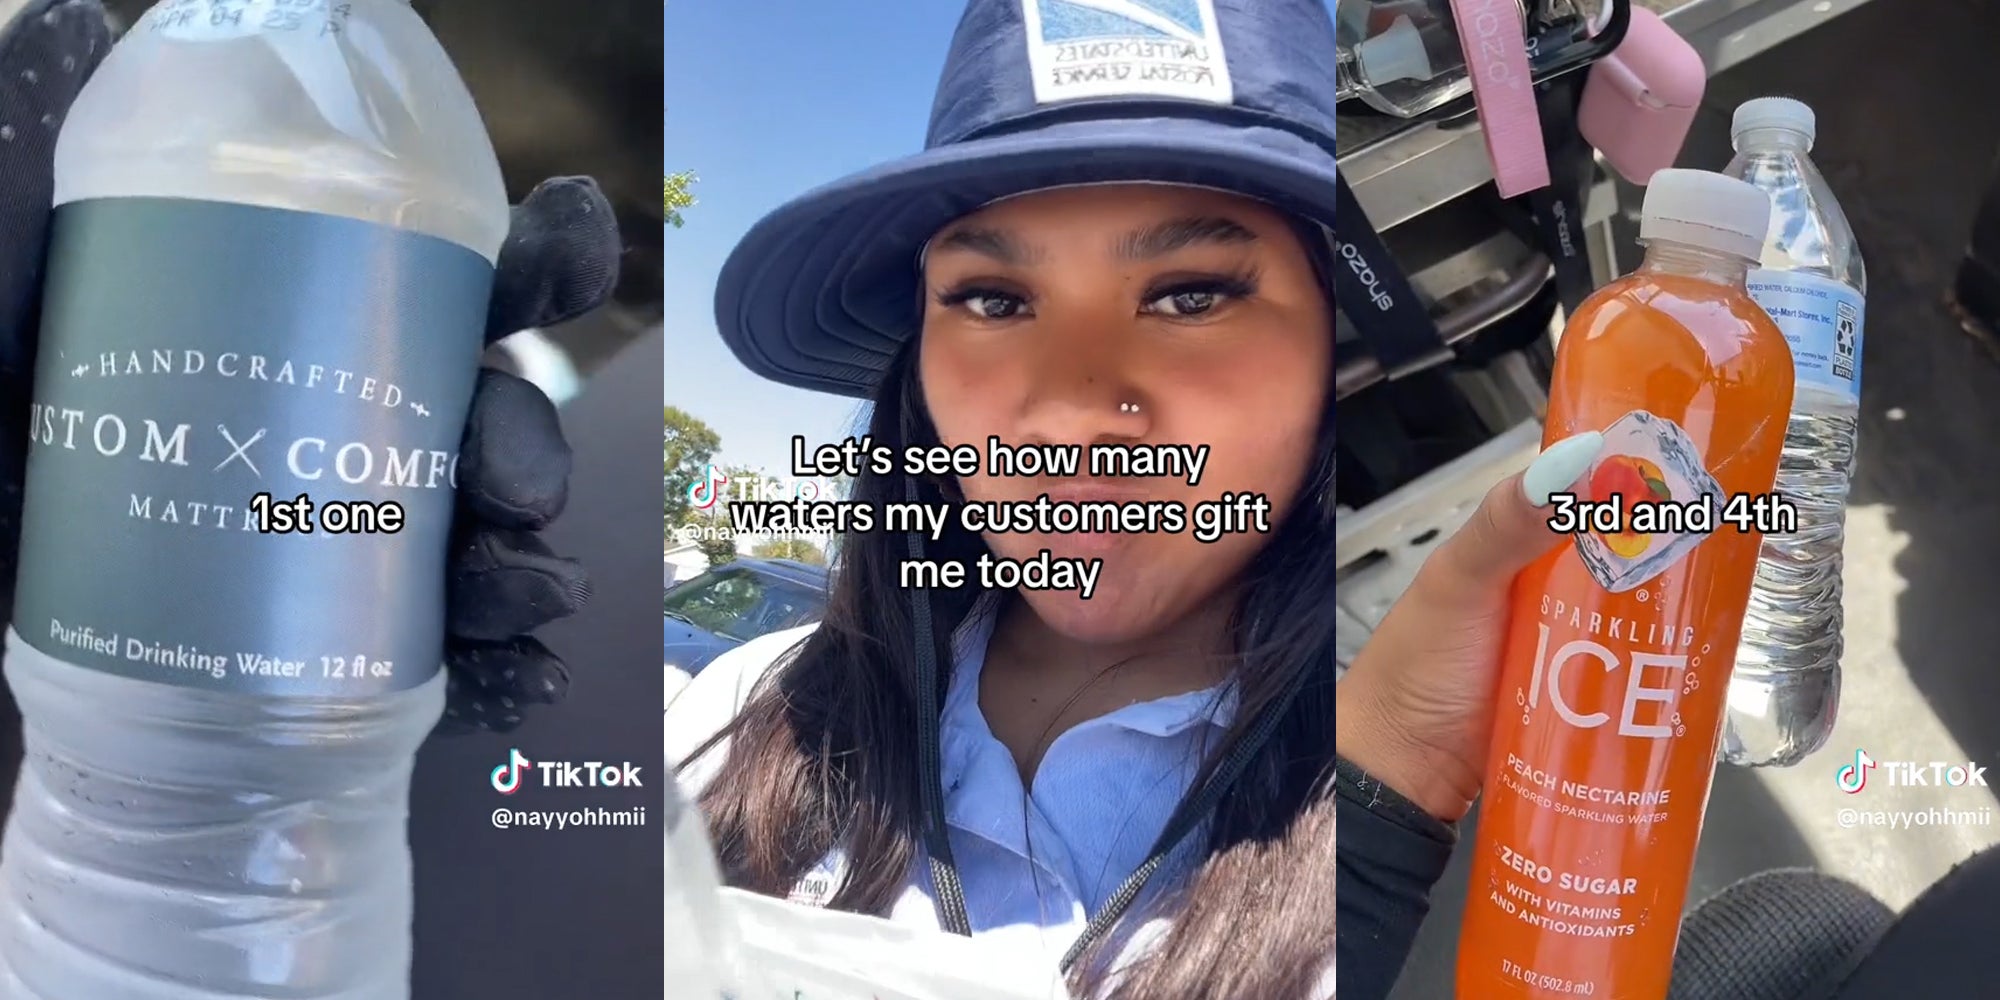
(680, 196)
(688, 447)
(717, 549)
(793, 548)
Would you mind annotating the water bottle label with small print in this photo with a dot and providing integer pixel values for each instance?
(1821, 319)
(244, 444)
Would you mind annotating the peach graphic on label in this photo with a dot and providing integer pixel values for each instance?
(1646, 459)
(1631, 480)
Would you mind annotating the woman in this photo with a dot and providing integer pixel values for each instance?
(1135, 782)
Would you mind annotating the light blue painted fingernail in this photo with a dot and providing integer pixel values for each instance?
(1559, 465)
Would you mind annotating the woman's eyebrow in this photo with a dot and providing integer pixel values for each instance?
(1179, 234)
(998, 244)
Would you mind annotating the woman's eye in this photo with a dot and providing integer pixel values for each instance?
(994, 306)
(1189, 303)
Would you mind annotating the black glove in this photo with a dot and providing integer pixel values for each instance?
(559, 262)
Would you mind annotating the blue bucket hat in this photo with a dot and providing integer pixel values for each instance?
(1234, 95)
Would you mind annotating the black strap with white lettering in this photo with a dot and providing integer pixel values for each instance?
(1558, 208)
(1552, 217)
(1373, 292)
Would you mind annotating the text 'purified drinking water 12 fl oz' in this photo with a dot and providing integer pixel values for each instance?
(273, 249)
(1785, 693)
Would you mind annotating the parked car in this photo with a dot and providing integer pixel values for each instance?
(735, 603)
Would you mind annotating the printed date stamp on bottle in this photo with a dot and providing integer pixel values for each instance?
(211, 20)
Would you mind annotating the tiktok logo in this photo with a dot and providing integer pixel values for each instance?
(1853, 777)
(507, 777)
(704, 494)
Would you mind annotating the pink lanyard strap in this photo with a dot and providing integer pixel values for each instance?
(1496, 57)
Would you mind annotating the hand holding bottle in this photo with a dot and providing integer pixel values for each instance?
(1619, 646)
(1416, 708)
(560, 261)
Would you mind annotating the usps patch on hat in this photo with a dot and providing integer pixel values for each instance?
(1126, 48)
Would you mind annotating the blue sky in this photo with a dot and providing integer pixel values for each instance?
(765, 100)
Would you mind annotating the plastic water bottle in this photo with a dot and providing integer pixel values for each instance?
(1401, 59)
(1786, 688)
(274, 244)
(1406, 58)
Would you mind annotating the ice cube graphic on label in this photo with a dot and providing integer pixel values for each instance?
(1644, 458)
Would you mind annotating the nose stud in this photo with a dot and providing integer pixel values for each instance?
(1128, 407)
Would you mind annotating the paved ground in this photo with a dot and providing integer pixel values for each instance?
(1907, 135)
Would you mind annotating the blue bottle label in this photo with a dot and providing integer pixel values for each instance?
(244, 446)
(1821, 319)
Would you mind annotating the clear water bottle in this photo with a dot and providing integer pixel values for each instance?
(1405, 58)
(1401, 58)
(1786, 689)
(274, 243)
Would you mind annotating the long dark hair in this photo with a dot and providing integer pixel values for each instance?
(825, 754)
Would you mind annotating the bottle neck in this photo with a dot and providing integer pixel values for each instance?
(1345, 83)
(1766, 141)
(1689, 261)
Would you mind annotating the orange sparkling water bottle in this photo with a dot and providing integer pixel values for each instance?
(1619, 649)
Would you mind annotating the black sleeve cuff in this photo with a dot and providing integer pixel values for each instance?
(1390, 855)
(1378, 802)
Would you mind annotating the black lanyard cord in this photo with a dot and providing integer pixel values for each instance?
(950, 891)
(930, 755)
(1552, 217)
(1186, 819)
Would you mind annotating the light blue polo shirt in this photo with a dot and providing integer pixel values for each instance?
(1035, 863)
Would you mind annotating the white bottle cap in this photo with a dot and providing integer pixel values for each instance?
(1773, 112)
(1396, 54)
(1706, 210)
